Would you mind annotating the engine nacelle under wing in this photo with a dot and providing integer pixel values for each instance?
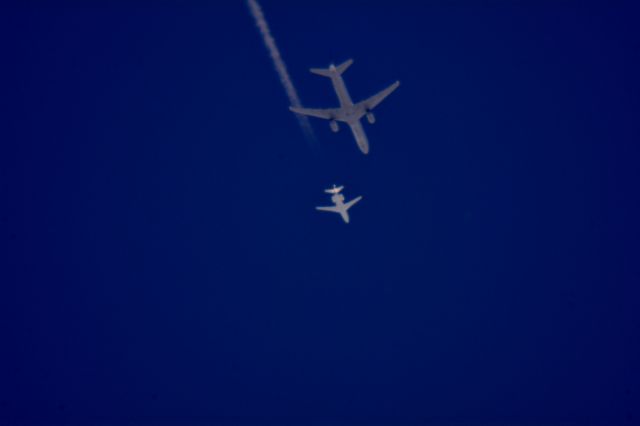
(371, 118)
(334, 125)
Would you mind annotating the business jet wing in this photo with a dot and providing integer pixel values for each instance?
(375, 100)
(327, 114)
(348, 205)
(329, 209)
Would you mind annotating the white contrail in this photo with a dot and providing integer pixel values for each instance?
(281, 68)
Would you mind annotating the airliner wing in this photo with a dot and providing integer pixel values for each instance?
(327, 114)
(374, 100)
(352, 202)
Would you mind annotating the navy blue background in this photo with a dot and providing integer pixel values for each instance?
(162, 259)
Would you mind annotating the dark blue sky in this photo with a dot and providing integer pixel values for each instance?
(162, 259)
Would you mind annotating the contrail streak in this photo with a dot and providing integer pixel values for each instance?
(281, 68)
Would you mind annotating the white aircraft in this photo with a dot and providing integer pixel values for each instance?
(348, 112)
(340, 206)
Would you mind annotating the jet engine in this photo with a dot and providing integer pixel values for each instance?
(334, 125)
(370, 117)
